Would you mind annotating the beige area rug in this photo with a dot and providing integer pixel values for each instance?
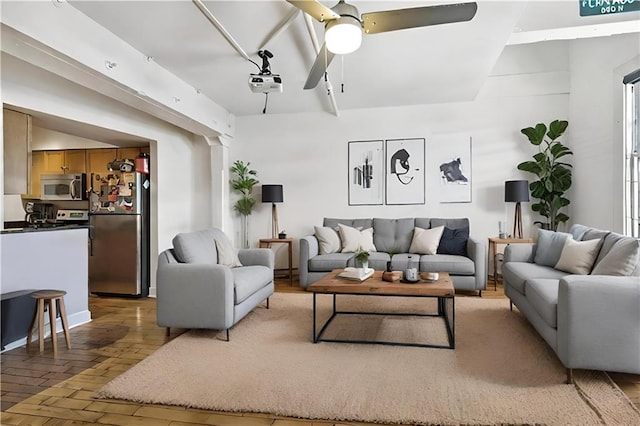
(501, 371)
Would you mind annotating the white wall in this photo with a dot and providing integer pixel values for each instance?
(307, 153)
(595, 120)
(44, 139)
(532, 83)
(179, 169)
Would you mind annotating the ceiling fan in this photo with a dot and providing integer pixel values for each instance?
(344, 27)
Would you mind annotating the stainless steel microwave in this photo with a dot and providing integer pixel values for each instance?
(71, 186)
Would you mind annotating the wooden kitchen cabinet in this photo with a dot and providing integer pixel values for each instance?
(124, 153)
(65, 161)
(17, 144)
(97, 160)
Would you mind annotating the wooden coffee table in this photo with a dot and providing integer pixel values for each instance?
(442, 289)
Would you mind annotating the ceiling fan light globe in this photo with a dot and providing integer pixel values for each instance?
(343, 35)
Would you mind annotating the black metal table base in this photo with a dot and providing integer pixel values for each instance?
(449, 320)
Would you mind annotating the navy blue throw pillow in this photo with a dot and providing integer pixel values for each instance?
(454, 241)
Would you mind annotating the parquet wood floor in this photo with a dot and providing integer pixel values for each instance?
(38, 389)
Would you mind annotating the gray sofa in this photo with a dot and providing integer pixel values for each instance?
(592, 320)
(468, 271)
(194, 290)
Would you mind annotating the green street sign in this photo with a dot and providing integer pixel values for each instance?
(607, 7)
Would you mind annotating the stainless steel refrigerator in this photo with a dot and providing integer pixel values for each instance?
(119, 237)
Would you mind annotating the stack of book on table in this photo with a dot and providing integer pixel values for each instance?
(357, 274)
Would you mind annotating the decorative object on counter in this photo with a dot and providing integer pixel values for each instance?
(391, 276)
(273, 194)
(554, 177)
(45, 300)
(243, 184)
(411, 271)
(502, 229)
(516, 191)
(362, 256)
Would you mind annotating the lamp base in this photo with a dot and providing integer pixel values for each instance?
(517, 222)
(274, 221)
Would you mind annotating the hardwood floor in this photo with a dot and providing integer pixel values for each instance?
(40, 389)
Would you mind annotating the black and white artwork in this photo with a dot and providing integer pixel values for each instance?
(451, 161)
(366, 172)
(405, 171)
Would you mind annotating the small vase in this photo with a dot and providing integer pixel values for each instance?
(365, 265)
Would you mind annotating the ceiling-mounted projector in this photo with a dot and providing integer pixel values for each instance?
(265, 83)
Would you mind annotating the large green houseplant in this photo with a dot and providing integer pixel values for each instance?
(243, 183)
(554, 176)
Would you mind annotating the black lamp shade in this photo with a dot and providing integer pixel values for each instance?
(516, 190)
(272, 194)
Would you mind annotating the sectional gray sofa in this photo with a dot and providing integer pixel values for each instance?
(588, 313)
(394, 236)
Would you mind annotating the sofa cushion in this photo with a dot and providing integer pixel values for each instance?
(578, 256)
(426, 241)
(452, 223)
(354, 223)
(328, 239)
(516, 273)
(549, 246)
(455, 265)
(392, 235)
(454, 241)
(621, 256)
(422, 222)
(578, 231)
(354, 240)
(249, 279)
(543, 296)
(328, 262)
(196, 247)
(377, 260)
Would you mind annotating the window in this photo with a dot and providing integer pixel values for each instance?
(631, 154)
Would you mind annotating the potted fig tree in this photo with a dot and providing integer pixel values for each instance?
(554, 176)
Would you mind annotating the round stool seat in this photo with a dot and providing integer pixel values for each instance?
(49, 299)
(48, 294)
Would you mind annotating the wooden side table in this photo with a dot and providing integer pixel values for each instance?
(493, 252)
(267, 242)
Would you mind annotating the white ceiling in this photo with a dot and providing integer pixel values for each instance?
(443, 63)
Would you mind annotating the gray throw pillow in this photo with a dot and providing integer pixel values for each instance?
(549, 247)
(621, 260)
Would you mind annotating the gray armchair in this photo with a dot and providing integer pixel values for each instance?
(195, 291)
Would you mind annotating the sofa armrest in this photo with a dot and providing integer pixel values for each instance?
(194, 295)
(309, 248)
(599, 322)
(478, 253)
(522, 252)
(257, 256)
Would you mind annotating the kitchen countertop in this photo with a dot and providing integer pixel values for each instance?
(42, 229)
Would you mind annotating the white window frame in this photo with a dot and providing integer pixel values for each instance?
(632, 154)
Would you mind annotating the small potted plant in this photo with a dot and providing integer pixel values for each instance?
(362, 256)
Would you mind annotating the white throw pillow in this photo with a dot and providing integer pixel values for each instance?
(328, 239)
(578, 256)
(426, 241)
(354, 240)
(227, 255)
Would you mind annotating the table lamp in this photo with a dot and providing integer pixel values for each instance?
(273, 194)
(517, 191)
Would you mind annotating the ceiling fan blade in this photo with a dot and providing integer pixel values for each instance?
(400, 19)
(319, 67)
(319, 11)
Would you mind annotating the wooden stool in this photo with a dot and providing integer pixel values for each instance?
(48, 297)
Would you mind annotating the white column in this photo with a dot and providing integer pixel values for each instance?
(221, 210)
